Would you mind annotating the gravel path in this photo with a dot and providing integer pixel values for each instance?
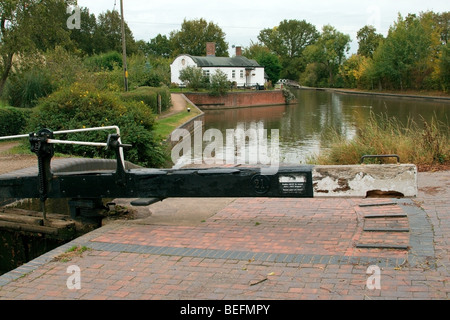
(12, 162)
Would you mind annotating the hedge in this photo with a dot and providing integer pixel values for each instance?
(149, 95)
(12, 121)
(105, 61)
(81, 106)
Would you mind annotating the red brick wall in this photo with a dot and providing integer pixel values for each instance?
(237, 99)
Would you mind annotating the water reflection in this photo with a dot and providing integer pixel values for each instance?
(302, 125)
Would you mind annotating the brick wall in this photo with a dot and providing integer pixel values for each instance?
(237, 99)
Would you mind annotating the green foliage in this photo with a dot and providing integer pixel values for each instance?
(26, 31)
(315, 75)
(12, 121)
(150, 72)
(329, 51)
(23, 89)
(149, 96)
(194, 35)
(64, 67)
(159, 46)
(219, 84)
(354, 71)
(157, 76)
(193, 77)
(266, 59)
(411, 57)
(84, 38)
(108, 34)
(82, 106)
(368, 41)
(288, 95)
(444, 71)
(288, 41)
(104, 62)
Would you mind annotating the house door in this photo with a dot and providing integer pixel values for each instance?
(248, 77)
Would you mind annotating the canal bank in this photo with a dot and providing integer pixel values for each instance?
(406, 96)
(232, 100)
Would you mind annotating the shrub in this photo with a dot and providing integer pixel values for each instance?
(149, 96)
(159, 75)
(219, 85)
(193, 77)
(12, 121)
(24, 89)
(81, 106)
(106, 61)
(64, 67)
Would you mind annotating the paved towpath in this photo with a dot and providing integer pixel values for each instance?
(257, 249)
(179, 104)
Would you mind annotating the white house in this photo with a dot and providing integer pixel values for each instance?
(245, 72)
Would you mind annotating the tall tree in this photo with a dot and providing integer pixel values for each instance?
(402, 60)
(443, 22)
(84, 37)
(445, 68)
(160, 46)
(30, 25)
(265, 58)
(368, 40)
(288, 40)
(329, 51)
(194, 35)
(108, 34)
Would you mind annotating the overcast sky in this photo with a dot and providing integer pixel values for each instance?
(243, 20)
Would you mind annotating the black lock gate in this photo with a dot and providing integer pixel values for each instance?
(149, 185)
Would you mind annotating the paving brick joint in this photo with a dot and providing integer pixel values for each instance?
(257, 249)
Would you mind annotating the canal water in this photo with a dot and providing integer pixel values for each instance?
(301, 125)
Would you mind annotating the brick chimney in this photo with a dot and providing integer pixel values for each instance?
(210, 49)
(238, 51)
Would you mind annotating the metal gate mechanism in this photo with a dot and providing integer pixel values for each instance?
(147, 184)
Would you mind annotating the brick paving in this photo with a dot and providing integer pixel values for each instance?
(258, 249)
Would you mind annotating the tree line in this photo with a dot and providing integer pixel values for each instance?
(415, 54)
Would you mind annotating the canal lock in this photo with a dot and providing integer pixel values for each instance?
(25, 236)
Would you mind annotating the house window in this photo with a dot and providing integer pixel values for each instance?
(242, 74)
(206, 73)
(233, 74)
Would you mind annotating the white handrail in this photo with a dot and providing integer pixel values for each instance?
(82, 143)
(66, 131)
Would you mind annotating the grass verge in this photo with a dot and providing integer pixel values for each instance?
(165, 126)
(424, 144)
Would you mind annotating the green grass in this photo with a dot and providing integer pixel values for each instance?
(165, 126)
(21, 148)
(69, 254)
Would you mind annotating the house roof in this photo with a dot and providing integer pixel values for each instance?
(238, 61)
